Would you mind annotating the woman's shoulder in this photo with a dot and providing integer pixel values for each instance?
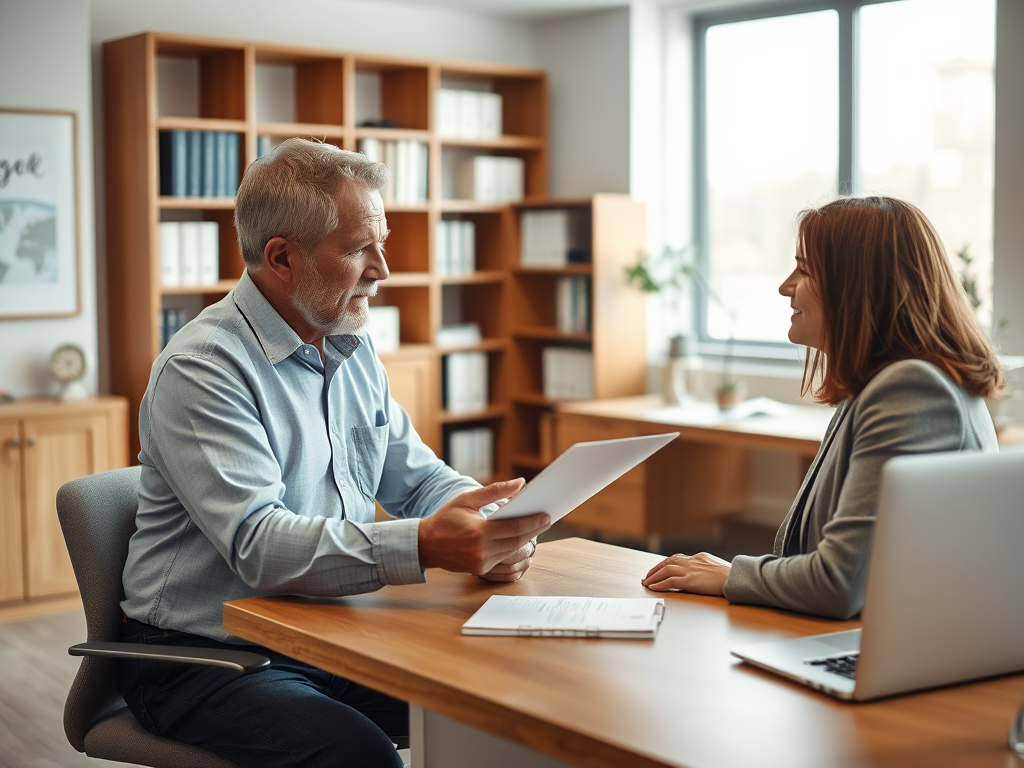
(919, 376)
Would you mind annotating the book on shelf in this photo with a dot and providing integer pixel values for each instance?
(171, 321)
(407, 160)
(567, 373)
(471, 452)
(553, 237)
(572, 304)
(198, 163)
(550, 616)
(465, 114)
(383, 328)
(456, 247)
(465, 382)
(194, 160)
(459, 335)
(189, 253)
(169, 238)
(491, 179)
(208, 184)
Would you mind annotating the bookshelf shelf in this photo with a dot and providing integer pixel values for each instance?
(470, 206)
(525, 143)
(567, 270)
(391, 134)
(221, 286)
(200, 124)
(474, 278)
(551, 334)
(286, 130)
(494, 412)
(486, 345)
(196, 203)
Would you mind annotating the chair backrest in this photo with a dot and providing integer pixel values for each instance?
(97, 516)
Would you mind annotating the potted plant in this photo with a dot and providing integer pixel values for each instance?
(673, 274)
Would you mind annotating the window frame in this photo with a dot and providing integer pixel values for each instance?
(847, 117)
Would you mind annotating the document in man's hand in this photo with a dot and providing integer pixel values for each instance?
(580, 472)
(619, 617)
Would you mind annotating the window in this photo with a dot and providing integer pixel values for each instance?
(847, 97)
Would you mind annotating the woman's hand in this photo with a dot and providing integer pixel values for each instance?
(702, 574)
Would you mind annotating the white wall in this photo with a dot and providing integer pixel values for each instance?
(44, 58)
(587, 57)
(368, 26)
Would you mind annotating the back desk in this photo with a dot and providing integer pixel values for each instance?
(695, 479)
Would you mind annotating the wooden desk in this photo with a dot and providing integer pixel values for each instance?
(679, 700)
(693, 481)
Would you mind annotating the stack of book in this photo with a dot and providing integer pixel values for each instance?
(458, 335)
(407, 160)
(572, 304)
(265, 144)
(171, 321)
(189, 253)
(465, 382)
(553, 237)
(470, 452)
(383, 327)
(456, 247)
(568, 373)
(468, 114)
(490, 179)
(198, 163)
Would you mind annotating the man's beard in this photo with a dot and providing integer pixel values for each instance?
(315, 301)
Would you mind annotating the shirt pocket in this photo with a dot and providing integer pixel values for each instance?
(366, 459)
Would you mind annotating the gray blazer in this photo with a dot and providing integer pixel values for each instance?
(820, 561)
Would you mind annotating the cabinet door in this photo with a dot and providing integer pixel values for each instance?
(409, 379)
(56, 450)
(11, 563)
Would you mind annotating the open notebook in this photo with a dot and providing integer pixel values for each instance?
(530, 615)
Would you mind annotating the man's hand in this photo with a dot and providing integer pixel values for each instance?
(456, 538)
(514, 566)
(702, 574)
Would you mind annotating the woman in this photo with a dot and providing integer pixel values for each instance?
(893, 343)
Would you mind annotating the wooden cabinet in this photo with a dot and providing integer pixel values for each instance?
(43, 444)
(155, 83)
(617, 335)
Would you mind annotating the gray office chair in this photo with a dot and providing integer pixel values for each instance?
(97, 516)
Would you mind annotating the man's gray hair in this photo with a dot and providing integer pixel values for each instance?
(290, 193)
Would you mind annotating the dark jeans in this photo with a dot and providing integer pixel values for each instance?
(290, 714)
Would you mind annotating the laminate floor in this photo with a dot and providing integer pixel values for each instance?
(35, 677)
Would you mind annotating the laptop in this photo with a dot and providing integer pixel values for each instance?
(943, 602)
(582, 470)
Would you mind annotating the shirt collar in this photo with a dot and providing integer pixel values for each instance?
(278, 339)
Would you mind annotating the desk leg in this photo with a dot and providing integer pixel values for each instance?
(439, 742)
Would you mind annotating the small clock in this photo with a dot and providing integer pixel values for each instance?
(67, 365)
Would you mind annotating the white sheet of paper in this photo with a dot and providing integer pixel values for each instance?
(580, 472)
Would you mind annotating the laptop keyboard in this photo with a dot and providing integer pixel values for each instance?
(845, 665)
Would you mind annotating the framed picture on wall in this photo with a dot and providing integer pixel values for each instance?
(39, 263)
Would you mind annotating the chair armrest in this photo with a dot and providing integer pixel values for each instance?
(241, 661)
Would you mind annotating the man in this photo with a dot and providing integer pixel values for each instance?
(267, 433)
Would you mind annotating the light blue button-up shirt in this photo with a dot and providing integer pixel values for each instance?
(260, 466)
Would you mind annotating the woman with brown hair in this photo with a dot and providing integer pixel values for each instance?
(892, 343)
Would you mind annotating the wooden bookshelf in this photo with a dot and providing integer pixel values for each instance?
(323, 102)
(618, 326)
(224, 88)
